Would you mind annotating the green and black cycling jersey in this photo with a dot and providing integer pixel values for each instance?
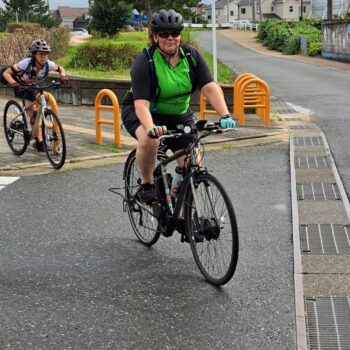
(174, 83)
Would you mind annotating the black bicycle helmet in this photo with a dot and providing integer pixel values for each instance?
(166, 20)
(40, 45)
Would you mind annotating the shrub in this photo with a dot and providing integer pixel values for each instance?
(314, 48)
(187, 38)
(26, 27)
(14, 45)
(285, 36)
(104, 56)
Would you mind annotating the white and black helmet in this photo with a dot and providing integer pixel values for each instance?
(166, 20)
(40, 45)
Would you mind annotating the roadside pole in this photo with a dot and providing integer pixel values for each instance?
(213, 22)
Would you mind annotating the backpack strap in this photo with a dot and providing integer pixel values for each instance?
(155, 90)
(31, 66)
(190, 59)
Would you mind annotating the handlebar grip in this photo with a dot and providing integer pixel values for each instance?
(149, 134)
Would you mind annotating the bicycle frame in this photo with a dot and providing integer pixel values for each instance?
(41, 100)
(187, 179)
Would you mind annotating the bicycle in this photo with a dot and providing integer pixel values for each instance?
(210, 221)
(19, 131)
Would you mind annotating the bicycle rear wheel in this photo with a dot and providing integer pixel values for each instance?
(54, 140)
(142, 218)
(15, 126)
(212, 229)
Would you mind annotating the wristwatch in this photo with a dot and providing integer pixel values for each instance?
(225, 116)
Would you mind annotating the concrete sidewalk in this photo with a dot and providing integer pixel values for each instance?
(82, 151)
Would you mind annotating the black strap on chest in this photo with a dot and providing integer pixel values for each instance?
(155, 88)
(31, 67)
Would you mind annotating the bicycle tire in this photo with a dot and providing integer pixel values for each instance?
(143, 223)
(14, 115)
(211, 236)
(54, 139)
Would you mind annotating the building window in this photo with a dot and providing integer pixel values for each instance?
(232, 13)
(243, 11)
(209, 16)
(271, 8)
(290, 8)
(304, 8)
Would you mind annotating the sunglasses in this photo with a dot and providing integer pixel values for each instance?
(165, 35)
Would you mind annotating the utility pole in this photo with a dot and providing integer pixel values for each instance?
(301, 10)
(260, 11)
(228, 11)
(253, 12)
(329, 9)
(213, 22)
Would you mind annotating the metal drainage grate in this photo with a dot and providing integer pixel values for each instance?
(323, 239)
(318, 191)
(292, 119)
(284, 111)
(311, 162)
(276, 101)
(300, 127)
(308, 141)
(328, 323)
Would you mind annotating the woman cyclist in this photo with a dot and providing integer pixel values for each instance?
(31, 70)
(148, 113)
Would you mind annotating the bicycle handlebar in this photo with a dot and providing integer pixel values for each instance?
(51, 86)
(209, 127)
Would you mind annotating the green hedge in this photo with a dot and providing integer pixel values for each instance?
(103, 57)
(285, 36)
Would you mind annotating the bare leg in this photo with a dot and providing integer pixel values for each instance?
(146, 154)
(30, 110)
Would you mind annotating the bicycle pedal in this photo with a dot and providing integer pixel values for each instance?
(124, 205)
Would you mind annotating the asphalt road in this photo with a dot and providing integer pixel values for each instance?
(323, 90)
(73, 276)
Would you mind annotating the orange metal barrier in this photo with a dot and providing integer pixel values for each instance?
(203, 106)
(251, 92)
(116, 115)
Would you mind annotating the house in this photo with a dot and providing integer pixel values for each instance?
(69, 14)
(233, 10)
(225, 11)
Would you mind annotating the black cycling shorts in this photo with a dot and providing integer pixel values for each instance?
(26, 94)
(131, 123)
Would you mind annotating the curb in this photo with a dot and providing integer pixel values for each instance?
(28, 169)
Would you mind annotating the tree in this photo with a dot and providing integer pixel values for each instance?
(40, 14)
(31, 10)
(109, 16)
(5, 17)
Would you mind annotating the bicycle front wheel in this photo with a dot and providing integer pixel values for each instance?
(15, 127)
(54, 140)
(142, 218)
(212, 229)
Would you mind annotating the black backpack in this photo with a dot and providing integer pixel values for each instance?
(155, 89)
(2, 71)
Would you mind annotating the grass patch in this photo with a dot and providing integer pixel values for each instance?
(229, 146)
(72, 161)
(110, 147)
(225, 74)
